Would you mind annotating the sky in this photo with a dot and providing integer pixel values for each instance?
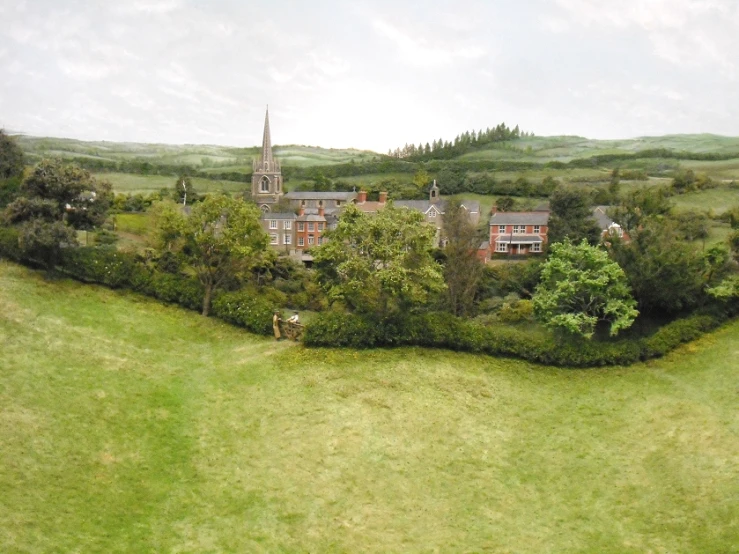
(366, 74)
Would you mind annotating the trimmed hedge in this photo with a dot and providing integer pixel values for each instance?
(245, 310)
(107, 266)
(441, 330)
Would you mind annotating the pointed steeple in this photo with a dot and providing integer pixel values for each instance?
(266, 143)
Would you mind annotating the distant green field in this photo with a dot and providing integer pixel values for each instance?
(129, 426)
(130, 183)
(718, 199)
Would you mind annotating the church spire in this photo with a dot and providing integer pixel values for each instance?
(266, 143)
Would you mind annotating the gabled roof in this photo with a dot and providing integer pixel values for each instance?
(519, 218)
(422, 206)
(314, 195)
(601, 217)
(471, 206)
(278, 215)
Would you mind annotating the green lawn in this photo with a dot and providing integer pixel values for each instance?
(128, 426)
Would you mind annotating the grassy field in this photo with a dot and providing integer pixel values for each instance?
(128, 426)
(129, 183)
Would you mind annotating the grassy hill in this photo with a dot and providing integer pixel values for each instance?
(128, 426)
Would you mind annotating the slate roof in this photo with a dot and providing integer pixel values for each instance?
(420, 205)
(311, 217)
(471, 205)
(278, 215)
(485, 245)
(519, 218)
(600, 216)
(518, 239)
(313, 195)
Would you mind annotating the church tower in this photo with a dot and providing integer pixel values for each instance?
(266, 179)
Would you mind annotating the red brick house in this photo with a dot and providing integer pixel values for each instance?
(518, 233)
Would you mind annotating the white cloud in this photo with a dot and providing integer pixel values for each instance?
(424, 52)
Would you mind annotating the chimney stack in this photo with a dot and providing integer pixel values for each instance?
(383, 197)
(494, 209)
(321, 211)
(301, 211)
(362, 197)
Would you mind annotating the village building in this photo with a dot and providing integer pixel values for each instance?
(296, 221)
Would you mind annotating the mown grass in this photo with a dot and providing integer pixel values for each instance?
(128, 426)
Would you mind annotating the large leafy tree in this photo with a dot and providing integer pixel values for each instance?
(462, 267)
(580, 287)
(666, 273)
(379, 264)
(637, 206)
(571, 216)
(221, 239)
(56, 200)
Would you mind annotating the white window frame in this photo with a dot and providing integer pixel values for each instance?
(311, 227)
(536, 247)
(274, 238)
(501, 229)
(537, 229)
(320, 241)
(301, 226)
(519, 229)
(501, 247)
(287, 225)
(301, 241)
(273, 224)
(311, 239)
(432, 213)
(288, 239)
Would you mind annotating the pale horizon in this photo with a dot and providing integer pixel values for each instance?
(370, 75)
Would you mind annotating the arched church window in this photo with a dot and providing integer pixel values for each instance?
(264, 185)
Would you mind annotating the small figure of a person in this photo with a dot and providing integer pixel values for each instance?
(276, 324)
(294, 318)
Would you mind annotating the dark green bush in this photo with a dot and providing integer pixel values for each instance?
(246, 310)
(106, 266)
(677, 332)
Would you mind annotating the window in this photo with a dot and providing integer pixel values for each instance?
(301, 241)
(274, 239)
(273, 224)
(536, 247)
(537, 229)
(264, 185)
(320, 241)
(311, 227)
(501, 247)
(432, 213)
(338, 203)
(288, 238)
(501, 228)
(519, 229)
(311, 239)
(287, 225)
(301, 226)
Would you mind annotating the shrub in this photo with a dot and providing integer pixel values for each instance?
(440, 330)
(9, 245)
(246, 310)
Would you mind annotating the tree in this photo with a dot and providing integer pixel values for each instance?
(221, 239)
(640, 204)
(55, 200)
(11, 157)
(581, 286)
(379, 264)
(462, 267)
(571, 216)
(505, 203)
(184, 193)
(665, 272)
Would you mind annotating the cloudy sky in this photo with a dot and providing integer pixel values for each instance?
(366, 74)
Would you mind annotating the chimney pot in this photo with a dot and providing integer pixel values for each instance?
(383, 197)
(362, 197)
